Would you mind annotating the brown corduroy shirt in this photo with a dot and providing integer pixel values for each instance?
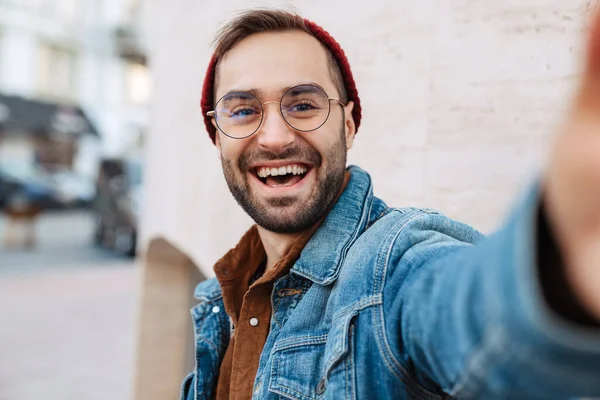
(247, 299)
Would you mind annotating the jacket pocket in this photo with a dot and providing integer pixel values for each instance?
(316, 367)
(297, 366)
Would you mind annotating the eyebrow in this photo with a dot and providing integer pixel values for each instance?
(258, 92)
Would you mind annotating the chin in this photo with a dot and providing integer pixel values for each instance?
(291, 219)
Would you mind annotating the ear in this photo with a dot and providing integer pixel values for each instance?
(349, 125)
(217, 139)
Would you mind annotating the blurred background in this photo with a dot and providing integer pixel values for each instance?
(74, 96)
(113, 202)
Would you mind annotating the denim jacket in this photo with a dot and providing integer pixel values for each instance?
(406, 304)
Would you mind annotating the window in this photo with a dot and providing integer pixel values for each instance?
(56, 68)
(138, 83)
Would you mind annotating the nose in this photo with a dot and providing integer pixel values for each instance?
(274, 133)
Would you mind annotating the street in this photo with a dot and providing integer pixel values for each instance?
(67, 315)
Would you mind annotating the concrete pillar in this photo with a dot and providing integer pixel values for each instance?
(165, 342)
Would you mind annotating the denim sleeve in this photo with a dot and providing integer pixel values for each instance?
(472, 319)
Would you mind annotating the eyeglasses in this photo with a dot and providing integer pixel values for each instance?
(304, 108)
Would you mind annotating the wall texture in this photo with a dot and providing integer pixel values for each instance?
(461, 100)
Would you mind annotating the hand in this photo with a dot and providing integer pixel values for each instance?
(571, 187)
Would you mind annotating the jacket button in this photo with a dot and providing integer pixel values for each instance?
(253, 321)
(321, 387)
(216, 309)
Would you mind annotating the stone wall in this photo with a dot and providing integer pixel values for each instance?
(461, 100)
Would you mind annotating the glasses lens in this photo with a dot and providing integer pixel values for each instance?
(305, 107)
(238, 114)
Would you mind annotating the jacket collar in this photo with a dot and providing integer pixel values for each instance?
(324, 254)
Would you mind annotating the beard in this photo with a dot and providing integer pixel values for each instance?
(289, 214)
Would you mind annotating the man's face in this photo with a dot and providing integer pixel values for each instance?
(268, 64)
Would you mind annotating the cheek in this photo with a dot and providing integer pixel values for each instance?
(230, 151)
(327, 142)
(322, 139)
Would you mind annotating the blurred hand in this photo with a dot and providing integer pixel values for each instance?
(572, 183)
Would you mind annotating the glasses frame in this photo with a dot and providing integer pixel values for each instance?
(212, 113)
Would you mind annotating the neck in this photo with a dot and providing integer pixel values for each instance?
(277, 245)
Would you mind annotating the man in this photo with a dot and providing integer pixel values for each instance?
(335, 295)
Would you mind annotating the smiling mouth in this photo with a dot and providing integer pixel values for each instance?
(286, 175)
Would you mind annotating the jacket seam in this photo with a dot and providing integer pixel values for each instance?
(299, 341)
(208, 342)
(365, 302)
(383, 256)
(288, 392)
(195, 317)
(384, 347)
(357, 232)
(400, 372)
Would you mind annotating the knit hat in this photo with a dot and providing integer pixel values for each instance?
(207, 102)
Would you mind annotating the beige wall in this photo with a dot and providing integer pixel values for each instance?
(460, 101)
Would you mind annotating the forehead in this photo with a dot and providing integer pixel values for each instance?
(271, 61)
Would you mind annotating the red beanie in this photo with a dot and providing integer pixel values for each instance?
(208, 94)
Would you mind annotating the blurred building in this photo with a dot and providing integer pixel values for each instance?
(74, 82)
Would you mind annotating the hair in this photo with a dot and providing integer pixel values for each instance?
(271, 20)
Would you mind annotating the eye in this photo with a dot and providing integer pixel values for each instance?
(242, 112)
(303, 106)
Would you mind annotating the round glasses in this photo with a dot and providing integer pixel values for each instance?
(304, 108)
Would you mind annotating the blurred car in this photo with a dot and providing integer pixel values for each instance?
(18, 178)
(73, 189)
(7, 189)
(52, 190)
(117, 205)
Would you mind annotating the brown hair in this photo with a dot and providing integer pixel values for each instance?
(271, 20)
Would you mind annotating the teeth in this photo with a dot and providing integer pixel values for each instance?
(264, 172)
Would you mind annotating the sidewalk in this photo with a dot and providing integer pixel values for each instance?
(67, 317)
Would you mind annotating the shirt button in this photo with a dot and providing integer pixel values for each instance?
(253, 321)
(216, 309)
(321, 387)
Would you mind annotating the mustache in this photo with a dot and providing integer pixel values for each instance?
(307, 154)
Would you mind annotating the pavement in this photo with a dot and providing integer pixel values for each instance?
(67, 315)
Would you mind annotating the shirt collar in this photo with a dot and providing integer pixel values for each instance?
(243, 259)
